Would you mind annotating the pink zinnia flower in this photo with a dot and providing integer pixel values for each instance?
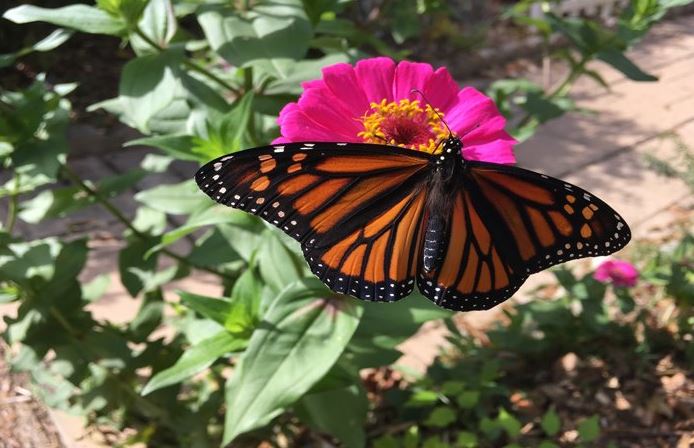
(373, 102)
(618, 272)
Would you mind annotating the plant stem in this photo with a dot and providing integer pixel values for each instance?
(191, 65)
(70, 174)
(13, 206)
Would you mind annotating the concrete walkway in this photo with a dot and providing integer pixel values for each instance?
(603, 153)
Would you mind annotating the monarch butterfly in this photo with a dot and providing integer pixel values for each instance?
(374, 219)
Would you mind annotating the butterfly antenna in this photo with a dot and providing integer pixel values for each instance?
(450, 133)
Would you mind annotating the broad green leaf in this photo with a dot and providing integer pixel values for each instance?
(63, 201)
(468, 399)
(401, 318)
(547, 444)
(226, 134)
(423, 398)
(550, 423)
(148, 318)
(246, 297)
(298, 72)
(510, 423)
(158, 22)
(207, 217)
(194, 360)
(246, 235)
(301, 336)
(96, 288)
(589, 429)
(440, 417)
(466, 439)
(176, 199)
(619, 61)
(79, 17)
(339, 412)
(29, 262)
(133, 256)
(212, 249)
(278, 265)
(273, 29)
(213, 308)
(148, 85)
(178, 146)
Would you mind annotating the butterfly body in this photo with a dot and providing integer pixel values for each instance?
(373, 220)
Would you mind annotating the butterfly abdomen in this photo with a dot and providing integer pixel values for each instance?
(434, 242)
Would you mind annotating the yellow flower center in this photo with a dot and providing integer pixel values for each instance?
(404, 124)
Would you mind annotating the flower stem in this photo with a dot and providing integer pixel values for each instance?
(190, 64)
(70, 174)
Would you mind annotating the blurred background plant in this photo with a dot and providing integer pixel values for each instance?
(204, 78)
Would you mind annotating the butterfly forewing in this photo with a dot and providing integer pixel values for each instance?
(508, 223)
(356, 209)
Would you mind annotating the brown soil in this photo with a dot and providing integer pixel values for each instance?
(24, 421)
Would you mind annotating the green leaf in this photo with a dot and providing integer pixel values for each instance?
(213, 308)
(550, 422)
(63, 201)
(181, 198)
(466, 439)
(148, 85)
(278, 265)
(468, 399)
(338, 412)
(210, 216)
(547, 444)
(510, 423)
(226, 134)
(79, 17)
(440, 417)
(178, 146)
(159, 22)
(96, 288)
(194, 360)
(621, 62)
(423, 398)
(589, 429)
(133, 256)
(301, 336)
(53, 40)
(273, 29)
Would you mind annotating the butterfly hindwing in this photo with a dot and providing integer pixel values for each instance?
(357, 210)
(508, 223)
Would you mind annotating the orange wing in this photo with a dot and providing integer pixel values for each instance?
(507, 223)
(356, 209)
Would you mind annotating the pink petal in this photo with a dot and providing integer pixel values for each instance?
(298, 126)
(342, 82)
(473, 109)
(442, 90)
(375, 75)
(496, 150)
(281, 140)
(408, 76)
(325, 109)
(287, 109)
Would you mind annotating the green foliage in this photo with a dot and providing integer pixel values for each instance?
(473, 393)
(274, 349)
